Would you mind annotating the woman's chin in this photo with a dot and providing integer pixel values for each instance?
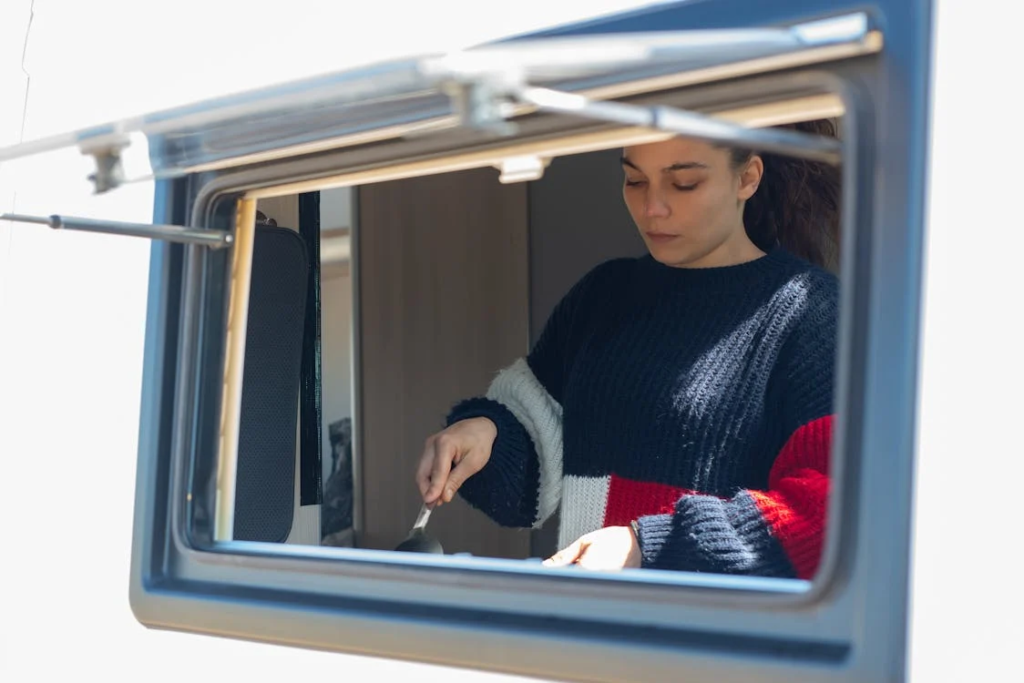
(672, 255)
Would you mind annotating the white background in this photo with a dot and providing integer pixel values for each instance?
(72, 310)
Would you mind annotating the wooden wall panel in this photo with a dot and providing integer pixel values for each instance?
(444, 304)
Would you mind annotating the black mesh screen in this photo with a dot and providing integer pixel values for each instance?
(265, 495)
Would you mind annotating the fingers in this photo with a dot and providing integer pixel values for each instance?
(451, 457)
(435, 463)
(567, 556)
(462, 471)
(445, 451)
(426, 464)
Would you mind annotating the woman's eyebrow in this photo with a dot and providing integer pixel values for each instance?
(684, 166)
(678, 166)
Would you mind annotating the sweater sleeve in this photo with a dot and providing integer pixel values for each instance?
(778, 531)
(521, 484)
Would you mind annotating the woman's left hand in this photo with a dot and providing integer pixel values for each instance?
(613, 547)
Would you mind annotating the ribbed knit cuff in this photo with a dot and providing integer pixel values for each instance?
(652, 533)
(709, 534)
(506, 488)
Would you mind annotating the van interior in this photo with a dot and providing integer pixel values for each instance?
(390, 302)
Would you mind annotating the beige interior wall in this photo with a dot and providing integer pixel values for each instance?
(444, 301)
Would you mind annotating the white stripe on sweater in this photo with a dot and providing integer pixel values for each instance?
(586, 500)
(519, 390)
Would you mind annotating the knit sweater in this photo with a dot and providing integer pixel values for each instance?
(695, 401)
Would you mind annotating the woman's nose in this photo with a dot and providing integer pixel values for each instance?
(655, 206)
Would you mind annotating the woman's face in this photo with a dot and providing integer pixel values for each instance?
(687, 201)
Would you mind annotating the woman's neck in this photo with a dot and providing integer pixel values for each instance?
(734, 251)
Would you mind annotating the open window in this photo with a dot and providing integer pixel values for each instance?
(299, 346)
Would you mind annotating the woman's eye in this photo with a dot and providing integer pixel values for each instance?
(685, 188)
(634, 183)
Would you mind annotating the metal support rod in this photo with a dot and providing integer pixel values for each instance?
(688, 124)
(215, 239)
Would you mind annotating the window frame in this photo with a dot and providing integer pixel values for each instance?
(252, 592)
(801, 84)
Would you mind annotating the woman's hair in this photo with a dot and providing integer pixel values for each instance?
(796, 205)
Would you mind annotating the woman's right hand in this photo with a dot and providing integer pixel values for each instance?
(452, 456)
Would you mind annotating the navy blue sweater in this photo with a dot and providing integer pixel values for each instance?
(697, 402)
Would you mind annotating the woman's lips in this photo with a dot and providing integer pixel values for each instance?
(660, 237)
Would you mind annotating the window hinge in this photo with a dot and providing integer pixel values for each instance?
(215, 239)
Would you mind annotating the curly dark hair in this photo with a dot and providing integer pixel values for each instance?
(796, 206)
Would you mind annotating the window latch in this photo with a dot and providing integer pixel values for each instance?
(215, 239)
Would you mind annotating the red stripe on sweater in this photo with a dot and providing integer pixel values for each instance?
(629, 499)
(796, 502)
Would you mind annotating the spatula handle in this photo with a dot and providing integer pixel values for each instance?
(421, 520)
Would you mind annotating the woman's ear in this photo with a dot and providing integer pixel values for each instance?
(750, 177)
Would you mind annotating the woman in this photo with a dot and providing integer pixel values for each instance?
(677, 407)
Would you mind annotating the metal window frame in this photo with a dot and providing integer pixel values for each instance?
(242, 569)
(848, 627)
